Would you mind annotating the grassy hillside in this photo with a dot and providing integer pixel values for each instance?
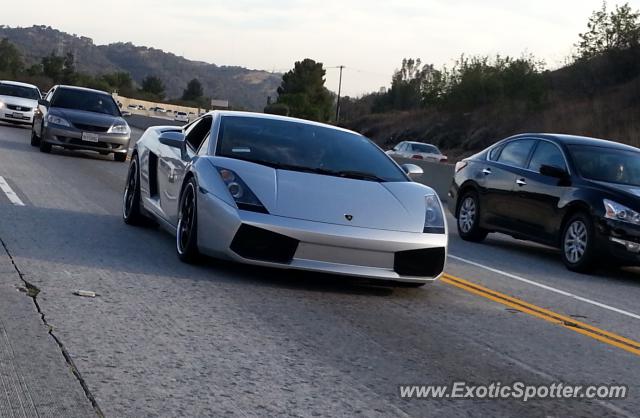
(242, 87)
(599, 98)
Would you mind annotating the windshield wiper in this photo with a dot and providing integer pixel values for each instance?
(359, 175)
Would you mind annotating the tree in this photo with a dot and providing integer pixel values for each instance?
(194, 91)
(10, 58)
(615, 30)
(154, 86)
(69, 75)
(119, 81)
(303, 91)
(53, 67)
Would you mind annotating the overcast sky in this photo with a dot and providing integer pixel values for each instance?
(369, 37)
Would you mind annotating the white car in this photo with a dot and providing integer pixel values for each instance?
(18, 101)
(418, 151)
(181, 117)
(161, 110)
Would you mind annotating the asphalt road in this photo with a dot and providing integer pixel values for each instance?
(167, 339)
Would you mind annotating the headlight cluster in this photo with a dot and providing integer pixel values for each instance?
(57, 120)
(620, 212)
(1, 105)
(433, 219)
(120, 128)
(243, 196)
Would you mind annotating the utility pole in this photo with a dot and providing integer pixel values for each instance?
(341, 67)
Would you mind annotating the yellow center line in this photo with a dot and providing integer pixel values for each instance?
(606, 337)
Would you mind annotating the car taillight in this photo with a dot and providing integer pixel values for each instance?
(417, 157)
(460, 165)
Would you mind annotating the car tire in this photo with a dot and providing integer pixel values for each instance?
(577, 244)
(468, 218)
(44, 145)
(131, 210)
(35, 141)
(120, 157)
(187, 229)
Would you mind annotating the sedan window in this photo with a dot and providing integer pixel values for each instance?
(516, 153)
(86, 100)
(547, 154)
(19, 91)
(610, 165)
(196, 133)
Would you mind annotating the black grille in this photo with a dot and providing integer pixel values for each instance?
(19, 108)
(428, 262)
(259, 244)
(91, 128)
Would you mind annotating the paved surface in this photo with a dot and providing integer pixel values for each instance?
(168, 339)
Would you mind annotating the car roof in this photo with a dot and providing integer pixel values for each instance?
(277, 117)
(17, 83)
(66, 87)
(579, 140)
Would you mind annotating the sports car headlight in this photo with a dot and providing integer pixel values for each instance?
(433, 218)
(1, 105)
(57, 120)
(243, 196)
(120, 129)
(619, 212)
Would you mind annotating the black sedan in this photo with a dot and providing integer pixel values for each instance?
(80, 118)
(581, 195)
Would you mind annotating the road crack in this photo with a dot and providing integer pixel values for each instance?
(32, 291)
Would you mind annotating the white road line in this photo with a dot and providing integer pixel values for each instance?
(549, 288)
(13, 197)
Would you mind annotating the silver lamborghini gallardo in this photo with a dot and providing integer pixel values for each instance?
(288, 193)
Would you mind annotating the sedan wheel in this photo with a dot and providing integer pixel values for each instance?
(187, 231)
(577, 243)
(469, 219)
(131, 213)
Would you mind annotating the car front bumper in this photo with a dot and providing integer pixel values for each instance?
(275, 241)
(619, 240)
(16, 117)
(72, 138)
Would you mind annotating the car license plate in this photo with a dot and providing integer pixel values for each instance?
(89, 137)
(17, 115)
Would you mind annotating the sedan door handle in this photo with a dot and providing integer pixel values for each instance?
(486, 171)
(521, 182)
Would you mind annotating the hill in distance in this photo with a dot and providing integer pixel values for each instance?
(241, 86)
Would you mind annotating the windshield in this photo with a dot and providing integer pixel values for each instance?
(19, 91)
(305, 147)
(426, 148)
(610, 165)
(85, 100)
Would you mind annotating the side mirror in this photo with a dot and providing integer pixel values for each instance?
(43, 102)
(412, 170)
(174, 139)
(552, 171)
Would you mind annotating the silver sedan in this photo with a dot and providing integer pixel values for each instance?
(283, 192)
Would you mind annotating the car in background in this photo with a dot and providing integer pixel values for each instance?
(80, 118)
(181, 117)
(578, 194)
(288, 193)
(132, 107)
(160, 110)
(125, 113)
(18, 101)
(418, 151)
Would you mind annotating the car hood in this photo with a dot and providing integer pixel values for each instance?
(87, 118)
(632, 191)
(19, 101)
(395, 206)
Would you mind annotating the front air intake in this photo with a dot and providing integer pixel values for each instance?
(428, 262)
(260, 244)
